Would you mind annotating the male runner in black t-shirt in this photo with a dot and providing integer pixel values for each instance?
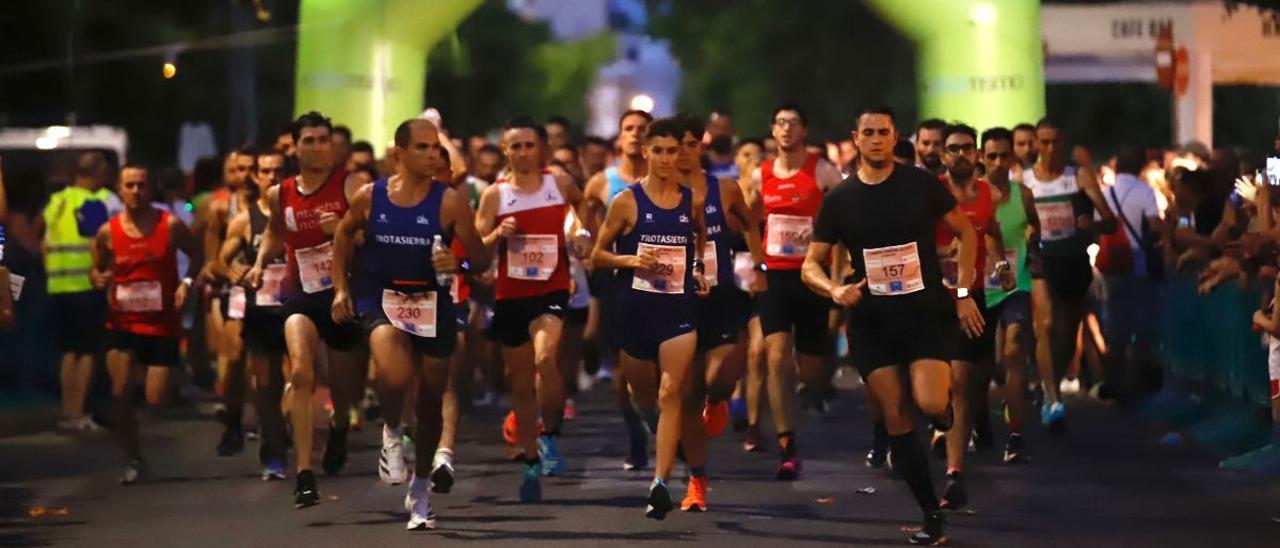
(900, 314)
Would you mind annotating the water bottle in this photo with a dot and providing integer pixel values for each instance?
(443, 280)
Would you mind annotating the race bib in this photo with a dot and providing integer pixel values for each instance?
(15, 286)
(315, 267)
(236, 301)
(993, 277)
(140, 297)
(272, 279)
(668, 276)
(414, 314)
(532, 256)
(893, 270)
(744, 270)
(711, 262)
(1057, 220)
(788, 235)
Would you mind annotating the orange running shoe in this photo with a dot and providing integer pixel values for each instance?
(716, 418)
(510, 432)
(696, 498)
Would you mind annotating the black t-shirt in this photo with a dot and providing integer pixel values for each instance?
(902, 210)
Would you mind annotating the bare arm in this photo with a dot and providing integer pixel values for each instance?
(273, 237)
(959, 224)
(215, 223)
(1033, 218)
(751, 192)
(102, 260)
(356, 219)
(220, 263)
(814, 271)
(7, 320)
(457, 161)
(1088, 182)
(619, 218)
(185, 241)
(732, 195)
(593, 208)
(486, 219)
(456, 215)
(828, 175)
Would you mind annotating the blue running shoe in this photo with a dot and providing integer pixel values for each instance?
(549, 452)
(531, 486)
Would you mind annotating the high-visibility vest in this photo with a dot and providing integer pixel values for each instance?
(72, 218)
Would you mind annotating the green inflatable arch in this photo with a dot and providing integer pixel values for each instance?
(363, 62)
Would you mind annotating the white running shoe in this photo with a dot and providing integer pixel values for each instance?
(391, 465)
(1069, 387)
(442, 471)
(418, 503)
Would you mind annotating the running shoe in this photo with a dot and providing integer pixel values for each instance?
(933, 531)
(418, 503)
(549, 453)
(305, 492)
(391, 465)
(789, 469)
(695, 500)
(715, 416)
(133, 472)
(659, 501)
(570, 410)
(876, 457)
(1014, 452)
(232, 442)
(605, 374)
(335, 451)
(1054, 416)
(1069, 387)
(274, 471)
(954, 496)
(442, 472)
(510, 431)
(531, 484)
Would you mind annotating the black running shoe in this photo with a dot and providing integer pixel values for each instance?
(954, 496)
(335, 452)
(305, 493)
(876, 457)
(1014, 451)
(232, 442)
(659, 502)
(933, 533)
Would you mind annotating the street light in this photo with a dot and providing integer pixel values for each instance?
(642, 102)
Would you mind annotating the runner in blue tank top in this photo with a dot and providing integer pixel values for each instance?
(722, 317)
(657, 224)
(407, 314)
(600, 191)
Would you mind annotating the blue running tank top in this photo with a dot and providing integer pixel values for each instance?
(397, 247)
(616, 183)
(665, 231)
(720, 236)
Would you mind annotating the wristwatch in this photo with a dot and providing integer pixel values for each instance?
(961, 293)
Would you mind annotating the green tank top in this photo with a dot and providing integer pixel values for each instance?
(1013, 231)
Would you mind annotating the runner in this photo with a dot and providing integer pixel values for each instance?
(1065, 201)
(1009, 311)
(721, 316)
(657, 224)
(899, 317)
(405, 308)
(135, 261)
(793, 319)
(1024, 147)
(263, 322)
(223, 328)
(929, 145)
(976, 198)
(304, 213)
(750, 155)
(522, 221)
(599, 193)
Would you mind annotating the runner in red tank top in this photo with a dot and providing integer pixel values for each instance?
(977, 199)
(135, 260)
(522, 221)
(304, 214)
(790, 188)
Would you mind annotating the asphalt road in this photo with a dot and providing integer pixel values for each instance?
(1109, 482)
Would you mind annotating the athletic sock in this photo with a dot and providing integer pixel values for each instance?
(911, 461)
(879, 436)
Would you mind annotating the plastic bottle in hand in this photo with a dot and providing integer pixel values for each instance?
(445, 281)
